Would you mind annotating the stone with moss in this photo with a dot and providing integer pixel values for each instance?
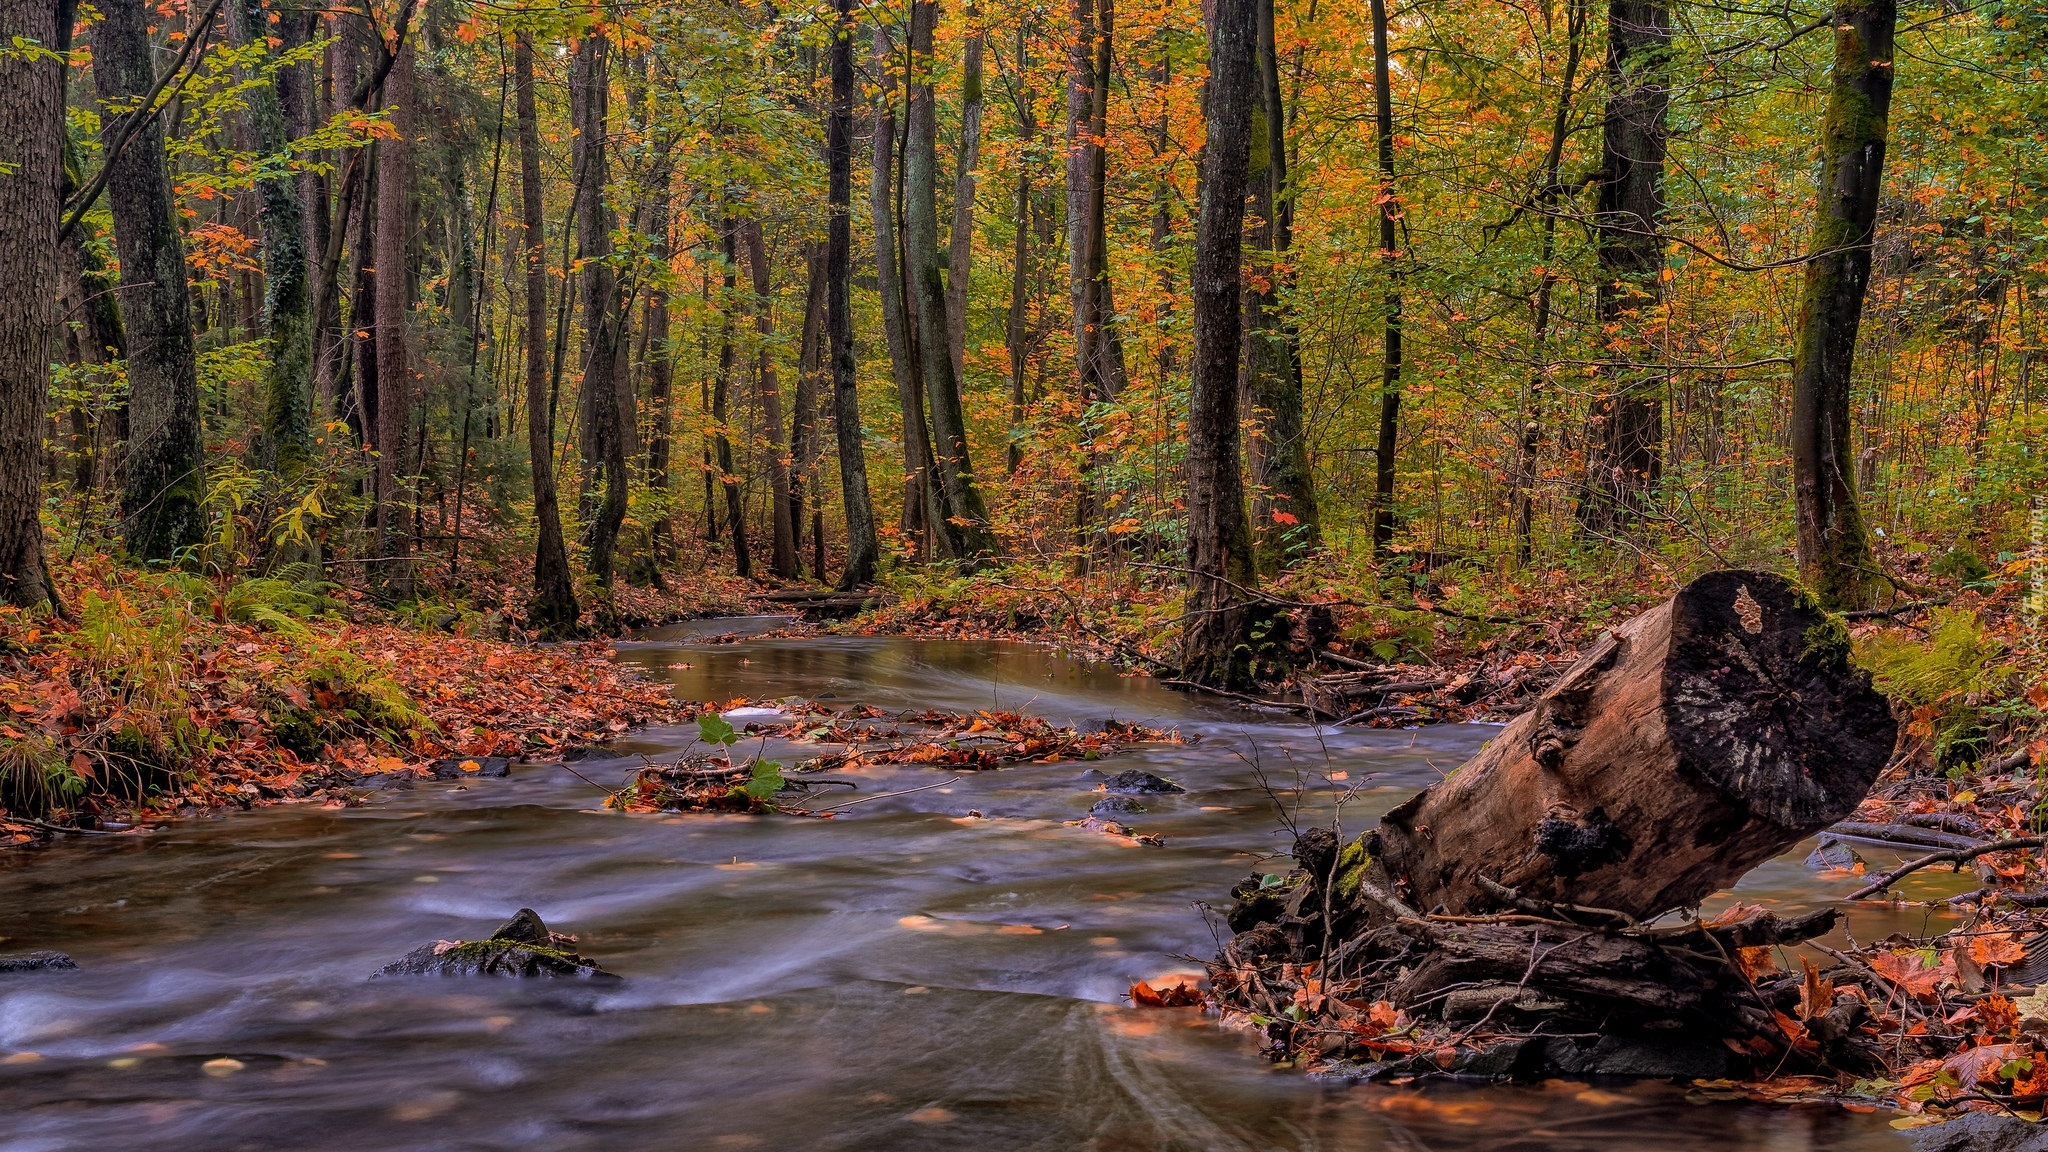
(521, 948)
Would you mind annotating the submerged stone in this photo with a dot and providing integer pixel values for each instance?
(1111, 805)
(38, 962)
(1139, 783)
(464, 767)
(522, 948)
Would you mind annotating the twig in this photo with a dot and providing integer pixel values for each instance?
(1287, 704)
(57, 827)
(880, 796)
(1958, 856)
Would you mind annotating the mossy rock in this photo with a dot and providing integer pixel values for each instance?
(522, 948)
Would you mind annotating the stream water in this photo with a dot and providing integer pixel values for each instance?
(905, 976)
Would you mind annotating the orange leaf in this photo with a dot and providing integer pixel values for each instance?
(1999, 948)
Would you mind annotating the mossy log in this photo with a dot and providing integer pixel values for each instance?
(1688, 746)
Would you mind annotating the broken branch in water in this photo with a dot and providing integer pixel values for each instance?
(1956, 856)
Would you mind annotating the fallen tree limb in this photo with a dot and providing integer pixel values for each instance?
(1957, 856)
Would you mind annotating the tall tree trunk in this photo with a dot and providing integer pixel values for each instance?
(31, 136)
(552, 612)
(812, 378)
(1388, 449)
(660, 370)
(1834, 551)
(1284, 513)
(1015, 334)
(963, 526)
(605, 398)
(1215, 641)
(1625, 445)
(721, 386)
(960, 252)
(1098, 351)
(394, 375)
(164, 481)
(287, 322)
(919, 486)
(1530, 436)
(862, 546)
(782, 519)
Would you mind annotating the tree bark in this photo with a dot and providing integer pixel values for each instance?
(862, 546)
(920, 499)
(805, 449)
(164, 479)
(963, 523)
(721, 386)
(1387, 452)
(287, 401)
(782, 516)
(604, 396)
(1014, 332)
(1271, 372)
(660, 371)
(553, 611)
(394, 375)
(1833, 546)
(1693, 743)
(1625, 445)
(1215, 642)
(31, 136)
(960, 250)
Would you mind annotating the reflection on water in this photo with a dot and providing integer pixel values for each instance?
(907, 976)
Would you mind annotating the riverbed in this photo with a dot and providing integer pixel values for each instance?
(941, 969)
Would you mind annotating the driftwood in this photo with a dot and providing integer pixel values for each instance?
(1518, 896)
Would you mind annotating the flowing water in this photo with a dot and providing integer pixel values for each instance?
(905, 976)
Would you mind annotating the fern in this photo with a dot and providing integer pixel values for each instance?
(1951, 680)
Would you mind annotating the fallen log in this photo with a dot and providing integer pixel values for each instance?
(1689, 745)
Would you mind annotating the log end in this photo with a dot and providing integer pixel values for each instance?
(1764, 704)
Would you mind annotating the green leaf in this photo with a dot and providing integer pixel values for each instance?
(713, 729)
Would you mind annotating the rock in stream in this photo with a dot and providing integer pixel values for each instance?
(522, 947)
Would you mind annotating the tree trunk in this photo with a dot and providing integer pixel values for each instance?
(1625, 445)
(287, 322)
(164, 479)
(960, 251)
(721, 387)
(604, 397)
(1215, 642)
(1388, 449)
(963, 523)
(552, 612)
(394, 375)
(1014, 333)
(862, 546)
(31, 140)
(1834, 549)
(1098, 353)
(919, 489)
(660, 375)
(1286, 524)
(782, 517)
(805, 450)
(1693, 743)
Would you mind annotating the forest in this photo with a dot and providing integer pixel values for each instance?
(384, 383)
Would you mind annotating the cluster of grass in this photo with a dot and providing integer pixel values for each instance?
(156, 674)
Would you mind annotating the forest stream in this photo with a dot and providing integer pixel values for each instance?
(905, 976)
